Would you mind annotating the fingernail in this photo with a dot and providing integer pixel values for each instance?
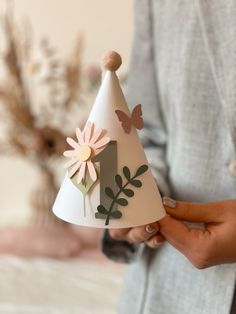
(150, 229)
(169, 202)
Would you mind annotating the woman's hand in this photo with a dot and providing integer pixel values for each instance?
(139, 234)
(214, 244)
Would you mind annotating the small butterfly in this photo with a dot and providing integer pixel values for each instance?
(135, 119)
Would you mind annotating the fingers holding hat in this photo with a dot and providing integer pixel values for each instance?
(136, 234)
(196, 212)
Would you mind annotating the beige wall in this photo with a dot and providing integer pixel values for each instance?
(106, 24)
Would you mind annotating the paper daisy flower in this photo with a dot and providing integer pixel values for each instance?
(90, 143)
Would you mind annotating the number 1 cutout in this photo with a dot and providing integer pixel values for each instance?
(108, 169)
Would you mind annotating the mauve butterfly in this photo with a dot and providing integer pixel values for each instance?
(135, 119)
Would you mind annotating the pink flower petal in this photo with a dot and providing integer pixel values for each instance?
(81, 174)
(95, 136)
(74, 169)
(92, 171)
(71, 162)
(102, 142)
(72, 142)
(79, 135)
(70, 153)
(88, 132)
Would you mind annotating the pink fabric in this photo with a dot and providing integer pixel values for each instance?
(59, 242)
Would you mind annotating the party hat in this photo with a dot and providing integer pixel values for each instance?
(109, 183)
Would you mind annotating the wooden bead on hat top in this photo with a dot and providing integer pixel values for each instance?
(111, 61)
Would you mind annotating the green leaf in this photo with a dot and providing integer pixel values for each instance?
(128, 192)
(116, 214)
(126, 172)
(119, 180)
(122, 201)
(136, 183)
(102, 210)
(141, 170)
(109, 192)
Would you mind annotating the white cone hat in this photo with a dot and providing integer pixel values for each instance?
(122, 192)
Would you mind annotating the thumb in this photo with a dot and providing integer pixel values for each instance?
(177, 233)
(197, 212)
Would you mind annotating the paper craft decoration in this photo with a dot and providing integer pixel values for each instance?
(135, 119)
(109, 183)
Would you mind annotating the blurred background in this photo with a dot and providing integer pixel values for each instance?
(103, 25)
(50, 55)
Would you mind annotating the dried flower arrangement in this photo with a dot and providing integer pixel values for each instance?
(34, 126)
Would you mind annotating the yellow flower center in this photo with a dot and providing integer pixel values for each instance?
(84, 152)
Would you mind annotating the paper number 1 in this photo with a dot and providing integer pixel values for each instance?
(108, 169)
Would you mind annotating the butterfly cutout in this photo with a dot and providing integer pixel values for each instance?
(135, 119)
